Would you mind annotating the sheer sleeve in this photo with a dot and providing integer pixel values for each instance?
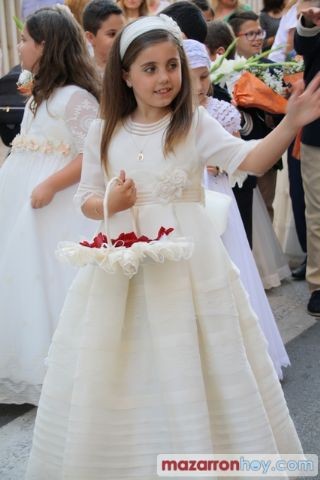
(217, 147)
(81, 110)
(93, 178)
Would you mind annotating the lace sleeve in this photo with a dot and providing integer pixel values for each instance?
(81, 110)
(93, 179)
(225, 113)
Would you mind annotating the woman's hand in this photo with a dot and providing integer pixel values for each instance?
(123, 195)
(42, 195)
(304, 104)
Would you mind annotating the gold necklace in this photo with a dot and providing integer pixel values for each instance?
(140, 156)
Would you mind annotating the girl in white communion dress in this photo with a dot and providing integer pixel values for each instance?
(171, 360)
(234, 238)
(37, 184)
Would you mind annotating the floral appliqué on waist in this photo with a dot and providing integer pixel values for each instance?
(171, 185)
(25, 142)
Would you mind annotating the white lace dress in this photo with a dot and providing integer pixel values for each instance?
(236, 243)
(33, 284)
(171, 360)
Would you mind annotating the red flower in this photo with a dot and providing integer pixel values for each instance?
(98, 241)
(125, 239)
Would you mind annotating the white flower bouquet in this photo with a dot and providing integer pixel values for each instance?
(254, 83)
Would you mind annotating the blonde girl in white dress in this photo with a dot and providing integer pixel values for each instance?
(234, 238)
(37, 184)
(172, 359)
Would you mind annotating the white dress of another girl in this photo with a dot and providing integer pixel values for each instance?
(271, 261)
(172, 360)
(283, 222)
(33, 284)
(236, 243)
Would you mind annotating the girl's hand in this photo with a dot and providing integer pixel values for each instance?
(312, 15)
(304, 104)
(123, 195)
(42, 195)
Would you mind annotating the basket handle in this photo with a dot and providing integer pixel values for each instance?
(110, 185)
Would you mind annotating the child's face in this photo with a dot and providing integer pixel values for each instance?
(30, 52)
(228, 3)
(155, 77)
(103, 40)
(200, 84)
(250, 39)
(132, 4)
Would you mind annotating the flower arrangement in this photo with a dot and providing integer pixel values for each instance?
(33, 144)
(254, 83)
(222, 69)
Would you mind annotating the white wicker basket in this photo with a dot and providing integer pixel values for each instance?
(113, 258)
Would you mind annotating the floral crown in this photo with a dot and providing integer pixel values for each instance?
(147, 24)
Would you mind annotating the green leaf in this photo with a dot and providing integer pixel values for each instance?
(19, 23)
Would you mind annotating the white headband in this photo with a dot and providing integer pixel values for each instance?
(196, 53)
(146, 24)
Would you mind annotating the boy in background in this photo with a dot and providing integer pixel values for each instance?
(256, 123)
(307, 43)
(102, 20)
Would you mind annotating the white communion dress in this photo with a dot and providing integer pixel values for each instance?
(235, 240)
(33, 284)
(172, 360)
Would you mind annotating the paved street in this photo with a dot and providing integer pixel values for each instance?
(301, 384)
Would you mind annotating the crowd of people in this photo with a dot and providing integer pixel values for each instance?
(123, 131)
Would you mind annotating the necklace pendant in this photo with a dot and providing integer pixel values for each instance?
(140, 156)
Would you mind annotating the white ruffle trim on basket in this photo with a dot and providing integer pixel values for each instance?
(114, 259)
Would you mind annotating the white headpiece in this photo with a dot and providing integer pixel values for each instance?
(196, 53)
(146, 24)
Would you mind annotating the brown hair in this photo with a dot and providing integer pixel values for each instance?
(65, 59)
(118, 100)
(77, 7)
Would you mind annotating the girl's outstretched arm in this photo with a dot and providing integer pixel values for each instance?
(303, 108)
(43, 193)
